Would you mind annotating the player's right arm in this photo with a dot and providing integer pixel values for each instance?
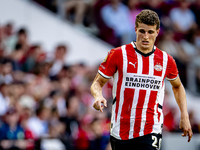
(106, 70)
(96, 90)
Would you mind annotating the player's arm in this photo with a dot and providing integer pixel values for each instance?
(180, 96)
(96, 90)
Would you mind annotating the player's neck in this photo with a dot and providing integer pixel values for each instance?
(143, 50)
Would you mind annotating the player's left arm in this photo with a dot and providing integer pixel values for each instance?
(180, 96)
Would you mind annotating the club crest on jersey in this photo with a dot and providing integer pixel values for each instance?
(158, 67)
(105, 59)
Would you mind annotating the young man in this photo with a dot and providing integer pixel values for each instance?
(139, 70)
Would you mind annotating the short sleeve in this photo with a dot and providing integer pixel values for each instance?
(109, 66)
(172, 71)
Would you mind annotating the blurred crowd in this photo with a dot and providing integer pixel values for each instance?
(42, 97)
(114, 21)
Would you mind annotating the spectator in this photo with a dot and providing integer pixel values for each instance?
(175, 49)
(59, 59)
(195, 7)
(12, 134)
(27, 104)
(17, 57)
(57, 101)
(39, 124)
(33, 56)
(71, 119)
(5, 71)
(79, 6)
(116, 16)
(77, 11)
(134, 11)
(8, 30)
(155, 5)
(11, 129)
(57, 130)
(4, 100)
(189, 47)
(100, 140)
(183, 20)
(21, 37)
(105, 33)
(38, 85)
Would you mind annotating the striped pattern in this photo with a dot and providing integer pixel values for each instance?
(139, 88)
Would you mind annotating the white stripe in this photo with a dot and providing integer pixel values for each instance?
(133, 44)
(157, 125)
(172, 79)
(115, 125)
(145, 106)
(135, 98)
(115, 80)
(165, 59)
(160, 97)
(144, 110)
(102, 74)
(121, 99)
(113, 130)
(140, 64)
(133, 110)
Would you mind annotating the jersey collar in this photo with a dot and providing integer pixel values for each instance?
(143, 54)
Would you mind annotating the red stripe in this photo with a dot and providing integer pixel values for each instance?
(119, 84)
(138, 114)
(150, 113)
(158, 60)
(125, 114)
(132, 59)
(145, 61)
(158, 113)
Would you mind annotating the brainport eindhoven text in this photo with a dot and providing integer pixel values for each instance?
(145, 83)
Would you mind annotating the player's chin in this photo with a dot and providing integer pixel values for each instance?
(145, 46)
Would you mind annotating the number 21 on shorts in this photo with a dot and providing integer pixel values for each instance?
(156, 143)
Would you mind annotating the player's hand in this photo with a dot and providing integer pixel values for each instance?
(99, 104)
(186, 128)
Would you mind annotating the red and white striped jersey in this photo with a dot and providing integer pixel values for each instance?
(138, 88)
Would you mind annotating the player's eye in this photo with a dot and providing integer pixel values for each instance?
(151, 32)
(141, 31)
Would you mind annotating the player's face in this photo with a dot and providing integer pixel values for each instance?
(146, 36)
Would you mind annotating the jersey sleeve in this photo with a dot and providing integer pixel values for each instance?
(172, 71)
(109, 66)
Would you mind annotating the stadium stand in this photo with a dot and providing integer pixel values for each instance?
(47, 65)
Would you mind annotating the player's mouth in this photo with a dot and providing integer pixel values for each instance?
(145, 42)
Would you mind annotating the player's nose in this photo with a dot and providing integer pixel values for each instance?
(146, 35)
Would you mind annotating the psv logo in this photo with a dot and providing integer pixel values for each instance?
(158, 67)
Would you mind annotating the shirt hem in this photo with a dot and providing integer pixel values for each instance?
(172, 79)
(102, 74)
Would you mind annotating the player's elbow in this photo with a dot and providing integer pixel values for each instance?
(178, 87)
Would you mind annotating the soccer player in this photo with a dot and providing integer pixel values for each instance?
(139, 70)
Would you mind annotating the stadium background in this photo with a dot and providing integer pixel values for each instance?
(49, 57)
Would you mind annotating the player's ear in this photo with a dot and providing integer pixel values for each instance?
(135, 30)
(157, 31)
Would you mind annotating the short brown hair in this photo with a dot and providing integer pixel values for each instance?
(148, 17)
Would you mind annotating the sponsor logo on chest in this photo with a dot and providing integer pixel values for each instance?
(143, 82)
